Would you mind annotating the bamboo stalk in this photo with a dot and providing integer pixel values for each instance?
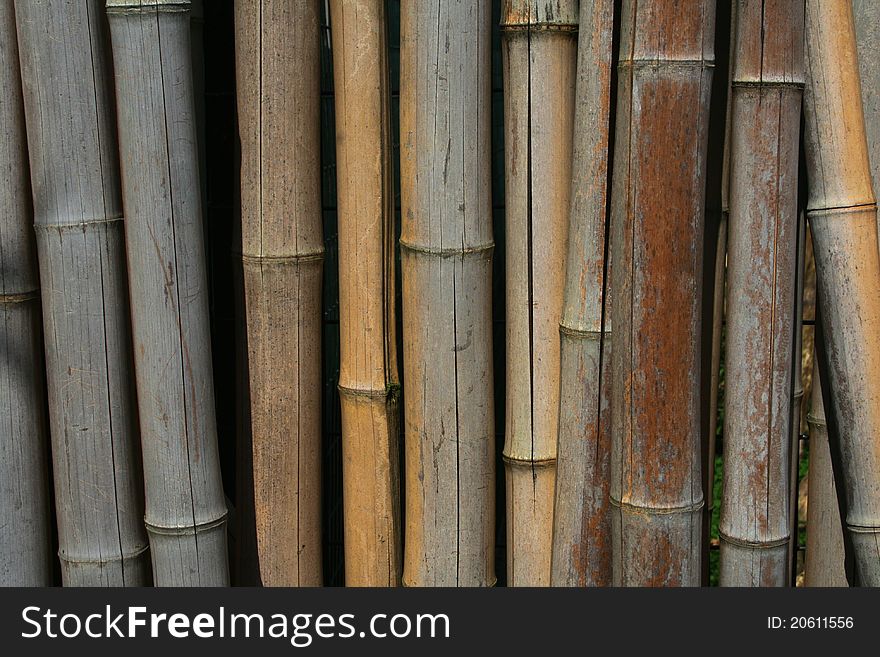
(446, 257)
(186, 509)
(25, 539)
(767, 86)
(843, 218)
(657, 244)
(539, 55)
(68, 103)
(866, 15)
(581, 551)
(797, 392)
(369, 387)
(282, 252)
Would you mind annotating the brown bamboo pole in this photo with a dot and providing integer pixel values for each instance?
(797, 399)
(581, 550)
(446, 257)
(767, 86)
(539, 56)
(369, 387)
(25, 539)
(186, 509)
(282, 252)
(843, 218)
(657, 245)
(68, 99)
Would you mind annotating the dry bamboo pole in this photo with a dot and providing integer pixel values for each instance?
(68, 99)
(843, 219)
(767, 85)
(186, 509)
(825, 556)
(657, 245)
(797, 399)
(866, 15)
(539, 55)
(282, 253)
(581, 551)
(446, 256)
(25, 538)
(369, 387)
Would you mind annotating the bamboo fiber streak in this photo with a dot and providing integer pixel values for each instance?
(843, 219)
(278, 74)
(657, 245)
(446, 254)
(767, 84)
(797, 401)
(539, 55)
(186, 512)
(25, 537)
(581, 553)
(368, 383)
(77, 211)
(866, 14)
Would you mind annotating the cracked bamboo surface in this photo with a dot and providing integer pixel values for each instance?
(539, 55)
(68, 99)
(369, 387)
(185, 506)
(767, 85)
(581, 550)
(25, 539)
(657, 229)
(446, 256)
(866, 15)
(282, 247)
(843, 218)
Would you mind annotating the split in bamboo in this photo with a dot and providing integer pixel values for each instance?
(25, 538)
(767, 85)
(369, 388)
(68, 98)
(282, 254)
(581, 550)
(185, 505)
(657, 245)
(797, 400)
(843, 221)
(446, 257)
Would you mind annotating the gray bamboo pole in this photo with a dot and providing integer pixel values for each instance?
(843, 218)
(186, 509)
(657, 243)
(446, 257)
(539, 55)
(797, 399)
(581, 551)
(68, 99)
(866, 14)
(25, 539)
(282, 253)
(369, 387)
(767, 85)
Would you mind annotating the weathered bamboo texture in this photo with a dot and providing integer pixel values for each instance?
(186, 509)
(767, 85)
(539, 58)
(797, 400)
(825, 555)
(657, 245)
(866, 15)
(68, 99)
(446, 256)
(843, 218)
(369, 387)
(25, 538)
(581, 551)
(282, 254)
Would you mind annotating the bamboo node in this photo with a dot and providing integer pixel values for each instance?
(147, 6)
(585, 334)
(22, 297)
(305, 256)
(666, 63)
(657, 511)
(185, 530)
(447, 253)
(815, 421)
(794, 85)
(389, 392)
(79, 225)
(754, 545)
(862, 529)
(859, 208)
(529, 463)
(126, 556)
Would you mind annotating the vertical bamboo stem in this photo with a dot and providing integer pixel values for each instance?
(843, 218)
(25, 538)
(68, 99)
(282, 253)
(539, 54)
(446, 249)
(657, 245)
(368, 383)
(767, 85)
(581, 551)
(797, 400)
(866, 15)
(186, 510)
